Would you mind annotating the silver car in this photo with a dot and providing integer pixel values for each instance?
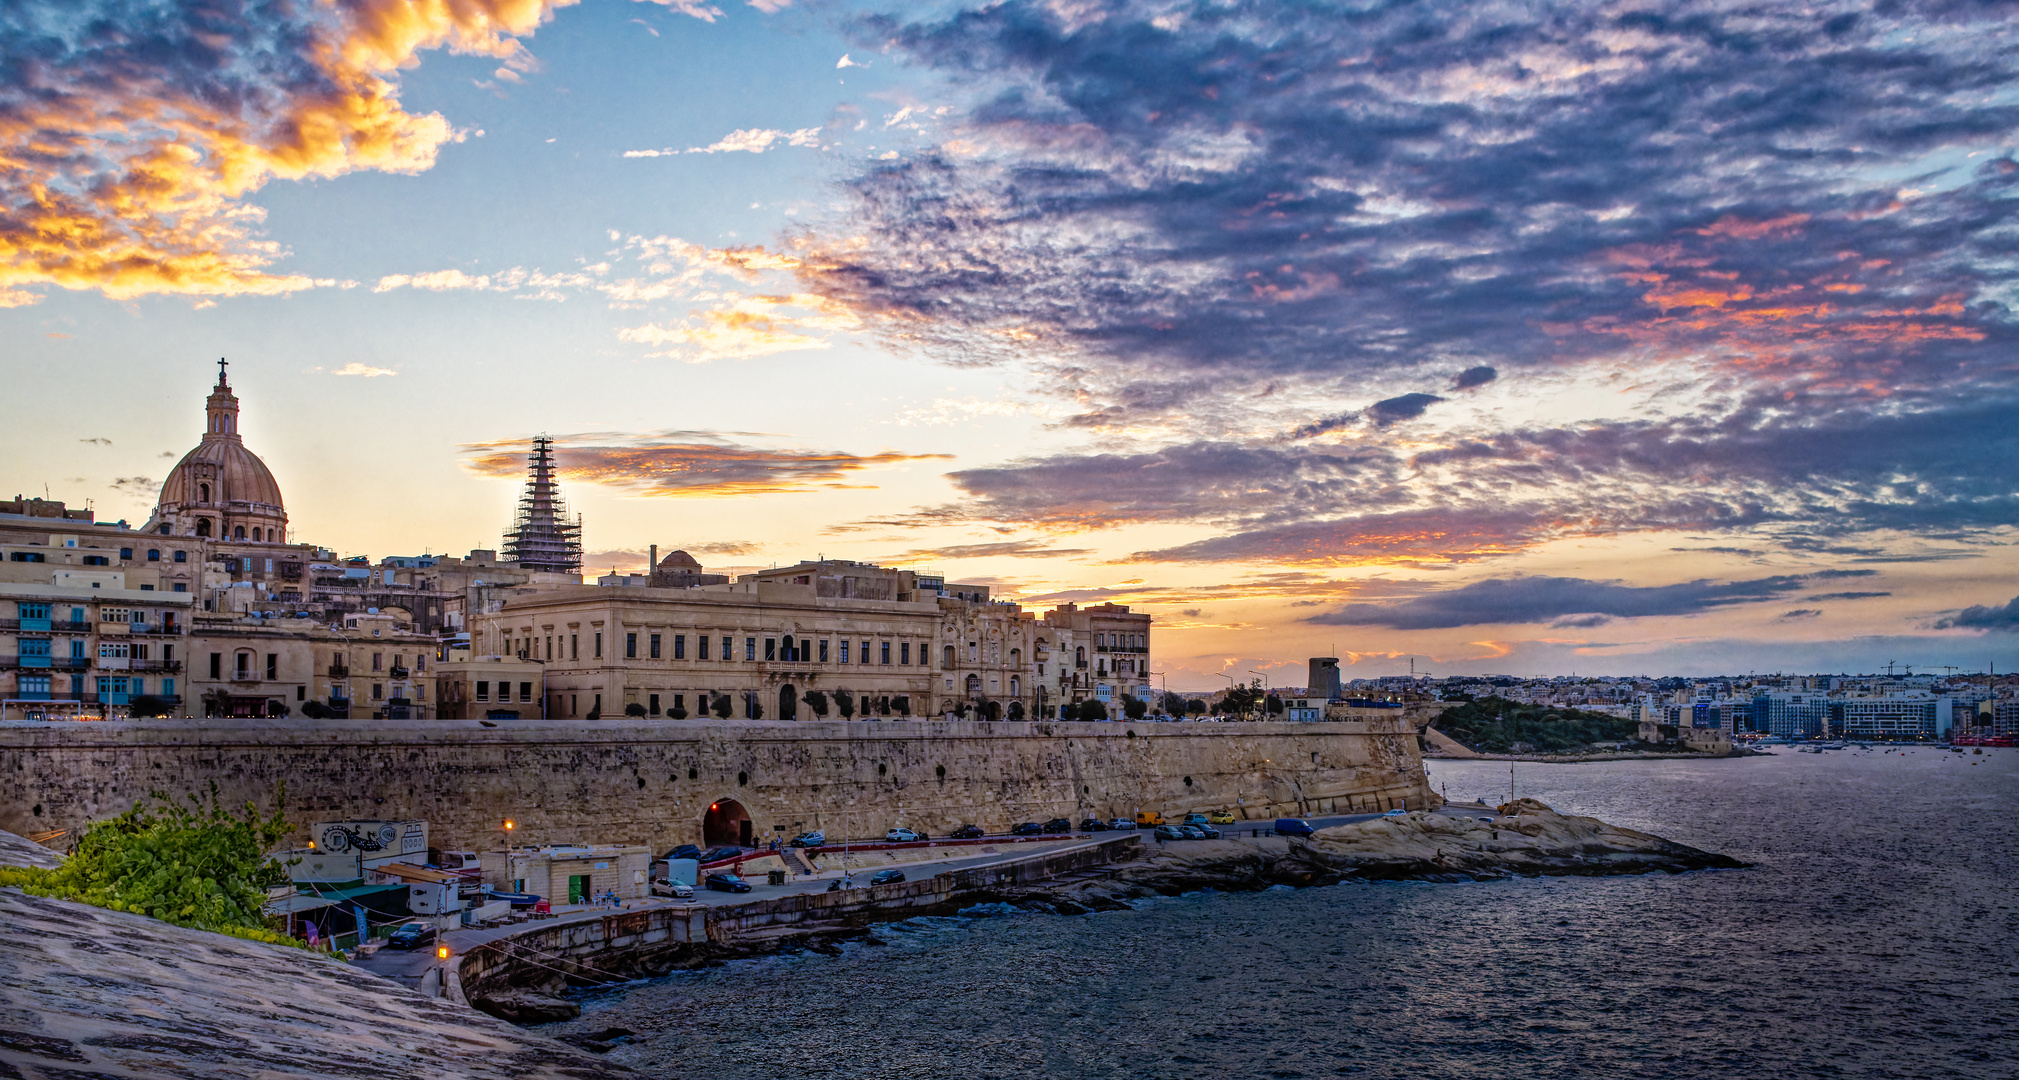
(678, 890)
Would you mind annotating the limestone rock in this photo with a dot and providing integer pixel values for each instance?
(524, 1006)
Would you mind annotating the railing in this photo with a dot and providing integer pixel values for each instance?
(153, 629)
(398, 672)
(339, 671)
(156, 665)
(244, 677)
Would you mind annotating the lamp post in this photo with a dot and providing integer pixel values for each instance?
(505, 875)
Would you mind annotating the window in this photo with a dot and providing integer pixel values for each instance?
(182, 556)
(110, 651)
(844, 652)
(653, 708)
(886, 653)
(179, 587)
(269, 566)
(378, 661)
(216, 665)
(700, 643)
(153, 554)
(655, 646)
(203, 526)
(241, 665)
(168, 688)
(203, 492)
(599, 645)
(97, 560)
(904, 654)
(484, 689)
(771, 648)
(525, 691)
(749, 649)
(420, 661)
(238, 533)
(272, 666)
(823, 650)
(378, 691)
(26, 556)
(125, 554)
(864, 654)
(728, 652)
(35, 647)
(76, 649)
(34, 611)
(679, 645)
(630, 646)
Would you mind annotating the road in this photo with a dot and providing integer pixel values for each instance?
(408, 966)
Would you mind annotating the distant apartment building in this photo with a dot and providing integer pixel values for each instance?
(82, 644)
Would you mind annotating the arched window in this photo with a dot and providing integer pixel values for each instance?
(1080, 656)
(1016, 686)
(241, 665)
(238, 533)
(204, 492)
(203, 526)
(788, 655)
(255, 534)
(1016, 658)
(153, 554)
(946, 658)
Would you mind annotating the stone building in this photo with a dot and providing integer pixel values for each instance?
(1109, 654)
(475, 687)
(82, 643)
(221, 489)
(252, 665)
(990, 655)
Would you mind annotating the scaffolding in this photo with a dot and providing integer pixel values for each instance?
(544, 538)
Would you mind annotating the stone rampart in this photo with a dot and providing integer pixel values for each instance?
(654, 784)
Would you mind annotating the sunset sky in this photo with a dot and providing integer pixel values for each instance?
(1650, 337)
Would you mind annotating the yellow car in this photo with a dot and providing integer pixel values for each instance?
(1221, 817)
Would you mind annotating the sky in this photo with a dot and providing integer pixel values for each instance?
(1600, 338)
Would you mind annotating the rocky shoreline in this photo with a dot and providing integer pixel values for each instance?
(1524, 838)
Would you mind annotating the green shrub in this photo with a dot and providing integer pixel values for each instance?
(197, 865)
(1494, 725)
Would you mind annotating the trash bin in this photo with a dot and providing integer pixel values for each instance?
(776, 877)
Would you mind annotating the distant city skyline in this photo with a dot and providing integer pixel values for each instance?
(1542, 339)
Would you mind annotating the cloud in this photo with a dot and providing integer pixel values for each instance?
(1016, 549)
(1474, 376)
(1800, 613)
(97, 441)
(1496, 601)
(707, 13)
(724, 547)
(845, 62)
(686, 464)
(136, 486)
(745, 140)
(135, 134)
(2004, 618)
(745, 327)
(1847, 595)
(1406, 407)
(364, 370)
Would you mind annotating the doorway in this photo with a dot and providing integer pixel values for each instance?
(788, 703)
(578, 888)
(727, 822)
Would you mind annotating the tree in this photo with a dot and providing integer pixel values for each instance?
(723, 706)
(1196, 707)
(595, 712)
(902, 703)
(756, 707)
(991, 710)
(676, 713)
(1275, 705)
(1173, 704)
(1016, 710)
(1092, 709)
(1134, 708)
(314, 710)
(1240, 699)
(634, 709)
(817, 701)
(883, 706)
(844, 703)
(197, 865)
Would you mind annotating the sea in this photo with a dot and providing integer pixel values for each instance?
(1876, 935)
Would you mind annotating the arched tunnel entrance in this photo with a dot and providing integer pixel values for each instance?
(726, 822)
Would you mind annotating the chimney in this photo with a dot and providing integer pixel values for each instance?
(652, 567)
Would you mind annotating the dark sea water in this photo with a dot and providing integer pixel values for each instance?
(1877, 937)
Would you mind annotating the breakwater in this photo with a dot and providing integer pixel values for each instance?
(655, 784)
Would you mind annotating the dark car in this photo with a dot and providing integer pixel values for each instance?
(727, 883)
(1058, 824)
(885, 877)
(719, 854)
(1093, 824)
(967, 832)
(1211, 832)
(1289, 826)
(1027, 828)
(412, 936)
(684, 851)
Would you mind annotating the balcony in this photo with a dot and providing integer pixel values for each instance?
(339, 671)
(156, 665)
(244, 677)
(399, 672)
(154, 630)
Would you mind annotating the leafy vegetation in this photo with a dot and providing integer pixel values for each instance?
(198, 865)
(1496, 725)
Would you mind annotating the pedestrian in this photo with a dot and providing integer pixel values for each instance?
(312, 936)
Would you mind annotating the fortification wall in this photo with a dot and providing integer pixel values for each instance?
(653, 783)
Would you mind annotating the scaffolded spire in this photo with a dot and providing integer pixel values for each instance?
(543, 538)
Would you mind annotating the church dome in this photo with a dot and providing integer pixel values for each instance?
(221, 489)
(679, 560)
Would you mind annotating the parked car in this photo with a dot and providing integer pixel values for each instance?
(413, 935)
(904, 836)
(1027, 828)
(1289, 826)
(809, 839)
(1192, 832)
(886, 877)
(1122, 824)
(684, 851)
(726, 882)
(678, 890)
(1395, 813)
(1194, 819)
(1058, 825)
(1221, 817)
(1210, 832)
(718, 854)
(967, 832)
(1146, 818)
(1093, 824)
(1170, 832)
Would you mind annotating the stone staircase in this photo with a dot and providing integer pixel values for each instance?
(796, 861)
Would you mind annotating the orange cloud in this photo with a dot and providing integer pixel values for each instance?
(125, 172)
(687, 464)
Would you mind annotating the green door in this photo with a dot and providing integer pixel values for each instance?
(578, 888)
